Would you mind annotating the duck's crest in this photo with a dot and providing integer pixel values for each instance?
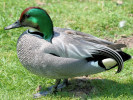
(29, 9)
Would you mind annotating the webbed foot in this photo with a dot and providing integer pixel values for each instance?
(53, 89)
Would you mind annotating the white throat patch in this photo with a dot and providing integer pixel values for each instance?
(33, 30)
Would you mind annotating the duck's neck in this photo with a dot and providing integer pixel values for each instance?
(47, 30)
(45, 26)
(47, 33)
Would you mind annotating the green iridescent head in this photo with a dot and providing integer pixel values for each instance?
(36, 18)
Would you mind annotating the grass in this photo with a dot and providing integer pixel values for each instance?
(96, 17)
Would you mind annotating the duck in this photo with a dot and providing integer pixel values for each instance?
(61, 53)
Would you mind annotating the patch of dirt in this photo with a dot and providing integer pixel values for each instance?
(80, 87)
(128, 41)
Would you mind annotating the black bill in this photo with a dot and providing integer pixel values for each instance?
(14, 25)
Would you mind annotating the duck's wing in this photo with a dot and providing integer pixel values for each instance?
(73, 44)
(91, 38)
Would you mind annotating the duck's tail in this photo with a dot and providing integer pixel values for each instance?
(112, 62)
(125, 56)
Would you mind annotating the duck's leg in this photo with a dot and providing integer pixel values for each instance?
(62, 85)
(52, 89)
(55, 87)
(65, 81)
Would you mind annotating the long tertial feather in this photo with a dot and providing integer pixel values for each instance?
(110, 53)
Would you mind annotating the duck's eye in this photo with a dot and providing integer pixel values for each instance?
(27, 16)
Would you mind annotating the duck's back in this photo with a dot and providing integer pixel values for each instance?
(75, 44)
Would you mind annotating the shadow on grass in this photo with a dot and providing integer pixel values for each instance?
(92, 88)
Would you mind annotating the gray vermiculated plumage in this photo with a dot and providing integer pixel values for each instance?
(33, 53)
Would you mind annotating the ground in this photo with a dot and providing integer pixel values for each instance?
(100, 18)
(128, 41)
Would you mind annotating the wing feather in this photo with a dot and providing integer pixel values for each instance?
(80, 45)
(110, 53)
